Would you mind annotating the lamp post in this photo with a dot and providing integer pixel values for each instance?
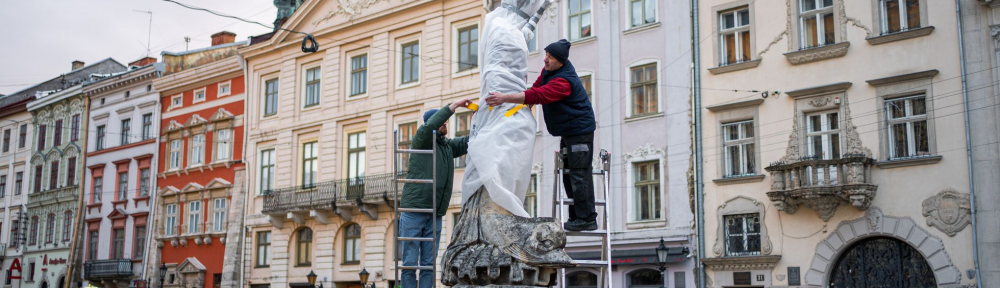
(363, 275)
(312, 279)
(661, 258)
(163, 272)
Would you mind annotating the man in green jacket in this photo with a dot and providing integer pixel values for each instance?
(419, 195)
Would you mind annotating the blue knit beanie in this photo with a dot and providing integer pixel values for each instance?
(428, 114)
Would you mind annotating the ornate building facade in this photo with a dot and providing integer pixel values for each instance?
(199, 166)
(833, 150)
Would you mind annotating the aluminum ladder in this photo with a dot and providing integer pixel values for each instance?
(603, 231)
(433, 210)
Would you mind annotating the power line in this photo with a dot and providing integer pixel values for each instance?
(313, 46)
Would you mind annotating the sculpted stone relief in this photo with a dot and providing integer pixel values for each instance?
(740, 205)
(948, 211)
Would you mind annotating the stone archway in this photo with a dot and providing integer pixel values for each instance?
(875, 224)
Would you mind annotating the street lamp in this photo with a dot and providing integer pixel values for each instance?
(163, 272)
(312, 278)
(661, 258)
(363, 275)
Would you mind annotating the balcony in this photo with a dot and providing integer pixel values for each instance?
(339, 196)
(108, 269)
(822, 184)
(53, 196)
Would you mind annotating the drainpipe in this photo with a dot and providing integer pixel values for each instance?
(698, 154)
(968, 143)
(247, 196)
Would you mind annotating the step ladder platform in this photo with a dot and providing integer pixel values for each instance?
(595, 233)
(597, 202)
(595, 172)
(590, 263)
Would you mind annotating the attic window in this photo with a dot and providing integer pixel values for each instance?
(102, 101)
(149, 88)
(127, 93)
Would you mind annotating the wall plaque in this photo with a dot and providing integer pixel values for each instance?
(742, 278)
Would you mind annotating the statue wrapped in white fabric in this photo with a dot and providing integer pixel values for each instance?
(496, 242)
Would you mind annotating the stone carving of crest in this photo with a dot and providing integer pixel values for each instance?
(874, 216)
(819, 102)
(353, 7)
(948, 211)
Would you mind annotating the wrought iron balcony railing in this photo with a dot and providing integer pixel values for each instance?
(324, 195)
(822, 184)
(108, 269)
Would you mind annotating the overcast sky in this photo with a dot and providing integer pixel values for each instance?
(39, 39)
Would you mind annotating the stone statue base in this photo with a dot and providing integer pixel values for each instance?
(493, 248)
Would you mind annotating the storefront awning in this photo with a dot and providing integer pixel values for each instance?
(634, 256)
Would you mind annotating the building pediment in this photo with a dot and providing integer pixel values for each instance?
(168, 191)
(195, 120)
(218, 183)
(191, 265)
(118, 213)
(173, 126)
(192, 187)
(221, 115)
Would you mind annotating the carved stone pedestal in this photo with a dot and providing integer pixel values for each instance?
(493, 248)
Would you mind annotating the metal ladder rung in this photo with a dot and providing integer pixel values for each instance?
(595, 172)
(416, 267)
(414, 151)
(597, 202)
(416, 210)
(590, 262)
(595, 233)
(422, 239)
(416, 181)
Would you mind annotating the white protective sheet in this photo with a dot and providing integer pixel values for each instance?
(501, 147)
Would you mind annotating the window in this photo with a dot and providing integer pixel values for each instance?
(531, 198)
(816, 25)
(122, 186)
(177, 101)
(264, 249)
(359, 74)
(15, 232)
(71, 171)
(54, 175)
(303, 257)
(356, 156)
(147, 126)
(31, 272)
(6, 140)
(463, 124)
(171, 220)
(822, 137)
(734, 36)
(647, 191)
(310, 155)
(41, 137)
(410, 63)
(219, 216)
(50, 227)
(266, 171)
(3, 185)
(67, 223)
(38, 178)
(74, 133)
(643, 12)
(126, 131)
(149, 87)
(312, 87)
(101, 131)
(98, 189)
(22, 136)
(33, 238)
(587, 81)
(899, 15)
(175, 154)
(644, 90)
(144, 182)
(468, 48)
(645, 278)
(743, 234)
(199, 95)
(224, 89)
(270, 97)
(406, 133)
(533, 43)
(738, 146)
(18, 181)
(57, 135)
(128, 93)
(223, 144)
(197, 149)
(92, 245)
(194, 216)
(352, 244)
(139, 246)
(118, 251)
(579, 19)
(907, 127)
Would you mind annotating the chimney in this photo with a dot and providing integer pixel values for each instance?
(224, 37)
(77, 65)
(142, 62)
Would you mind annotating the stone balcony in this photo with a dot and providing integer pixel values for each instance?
(53, 196)
(111, 269)
(340, 197)
(822, 184)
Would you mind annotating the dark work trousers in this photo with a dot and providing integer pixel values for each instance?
(579, 182)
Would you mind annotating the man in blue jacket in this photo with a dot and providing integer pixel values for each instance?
(570, 116)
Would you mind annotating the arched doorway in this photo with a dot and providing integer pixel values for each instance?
(581, 279)
(881, 262)
(62, 282)
(45, 285)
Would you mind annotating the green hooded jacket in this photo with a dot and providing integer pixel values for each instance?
(419, 166)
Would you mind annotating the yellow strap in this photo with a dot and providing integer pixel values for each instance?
(514, 110)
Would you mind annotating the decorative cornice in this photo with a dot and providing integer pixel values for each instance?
(898, 36)
(742, 263)
(818, 53)
(734, 67)
(904, 77)
(644, 151)
(829, 88)
(199, 76)
(734, 105)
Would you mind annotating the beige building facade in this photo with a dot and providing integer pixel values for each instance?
(320, 131)
(833, 142)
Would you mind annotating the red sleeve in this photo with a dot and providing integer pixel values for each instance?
(538, 82)
(555, 90)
